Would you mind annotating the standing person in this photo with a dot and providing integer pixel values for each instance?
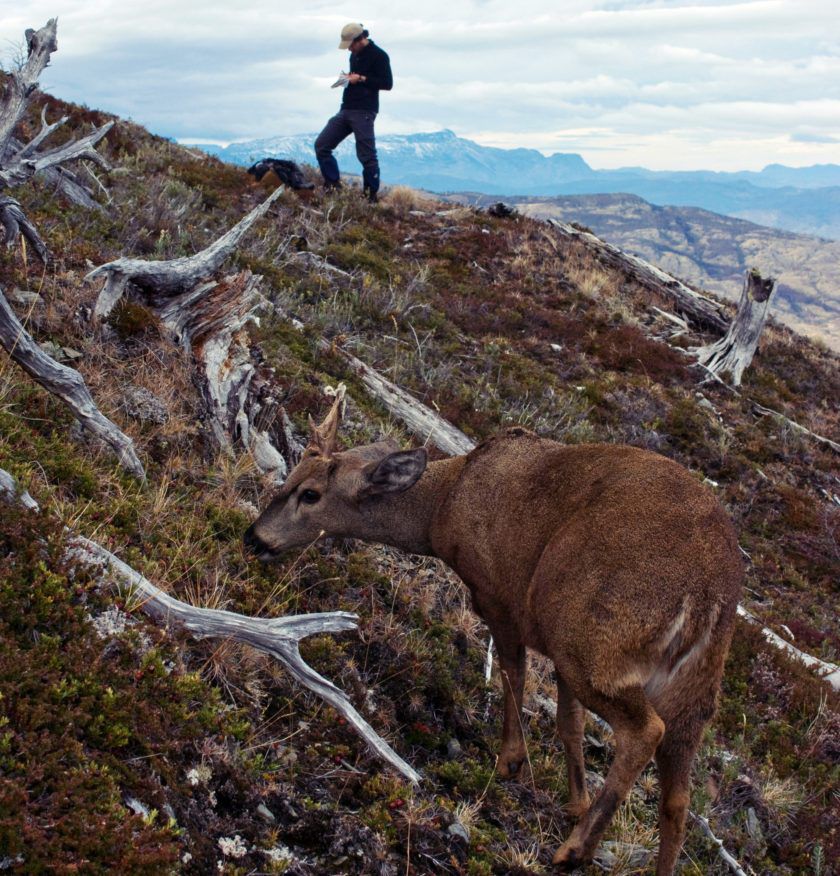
(370, 73)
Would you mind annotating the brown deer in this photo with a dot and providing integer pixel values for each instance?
(613, 561)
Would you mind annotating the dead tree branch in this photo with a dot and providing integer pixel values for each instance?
(21, 83)
(692, 305)
(24, 165)
(827, 672)
(15, 223)
(769, 412)
(726, 857)
(67, 384)
(20, 161)
(420, 419)
(164, 279)
(279, 637)
(209, 318)
(734, 352)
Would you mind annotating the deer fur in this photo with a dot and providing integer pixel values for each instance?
(613, 561)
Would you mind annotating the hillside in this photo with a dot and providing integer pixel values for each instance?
(804, 200)
(711, 251)
(129, 748)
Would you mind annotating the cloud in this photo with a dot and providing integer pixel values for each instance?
(728, 83)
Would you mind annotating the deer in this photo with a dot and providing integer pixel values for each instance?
(613, 561)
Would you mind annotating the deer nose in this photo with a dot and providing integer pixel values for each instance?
(253, 544)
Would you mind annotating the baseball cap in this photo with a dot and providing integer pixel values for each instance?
(349, 33)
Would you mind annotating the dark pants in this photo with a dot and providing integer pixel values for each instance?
(346, 122)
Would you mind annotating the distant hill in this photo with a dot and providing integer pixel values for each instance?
(712, 251)
(804, 200)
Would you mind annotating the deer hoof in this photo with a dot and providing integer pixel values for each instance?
(568, 858)
(510, 767)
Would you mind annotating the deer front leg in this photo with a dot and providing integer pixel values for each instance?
(511, 653)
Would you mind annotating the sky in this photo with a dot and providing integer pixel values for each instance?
(664, 84)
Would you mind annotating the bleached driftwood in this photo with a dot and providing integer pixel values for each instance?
(20, 161)
(164, 279)
(734, 352)
(279, 637)
(67, 384)
(827, 672)
(694, 306)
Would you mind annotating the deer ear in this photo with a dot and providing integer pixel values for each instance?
(395, 473)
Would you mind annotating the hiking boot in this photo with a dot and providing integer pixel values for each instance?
(330, 186)
(372, 197)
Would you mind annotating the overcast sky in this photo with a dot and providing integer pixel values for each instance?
(667, 84)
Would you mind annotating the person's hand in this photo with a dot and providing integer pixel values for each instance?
(354, 78)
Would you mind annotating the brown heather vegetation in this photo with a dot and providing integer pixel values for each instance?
(494, 322)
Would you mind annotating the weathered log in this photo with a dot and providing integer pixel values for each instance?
(67, 384)
(20, 161)
(279, 637)
(734, 352)
(827, 672)
(174, 276)
(25, 164)
(768, 412)
(421, 420)
(21, 83)
(691, 304)
(209, 319)
(15, 223)
(210, 322)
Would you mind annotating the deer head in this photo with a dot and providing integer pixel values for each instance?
(334, 492)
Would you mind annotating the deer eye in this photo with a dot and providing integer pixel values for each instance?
(310, 497)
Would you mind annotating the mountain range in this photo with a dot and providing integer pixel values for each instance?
(804, 200)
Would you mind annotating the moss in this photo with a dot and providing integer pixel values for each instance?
(133, 321)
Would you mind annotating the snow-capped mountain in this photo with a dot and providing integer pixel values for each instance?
(804, 200)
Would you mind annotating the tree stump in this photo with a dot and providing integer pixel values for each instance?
(734, 352)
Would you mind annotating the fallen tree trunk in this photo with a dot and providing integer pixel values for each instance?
(692, 305)
(279, 637)
(68, 385)
(734, 352)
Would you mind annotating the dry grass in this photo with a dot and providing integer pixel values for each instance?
(402, 200)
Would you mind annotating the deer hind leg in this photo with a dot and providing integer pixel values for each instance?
(570, 721)
(511, 653)
(638, 730)
(673, 761)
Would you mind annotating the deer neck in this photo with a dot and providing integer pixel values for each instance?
(404, 520)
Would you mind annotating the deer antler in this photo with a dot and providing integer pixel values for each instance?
(324, 438)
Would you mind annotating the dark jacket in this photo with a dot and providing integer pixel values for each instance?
(375, 65)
